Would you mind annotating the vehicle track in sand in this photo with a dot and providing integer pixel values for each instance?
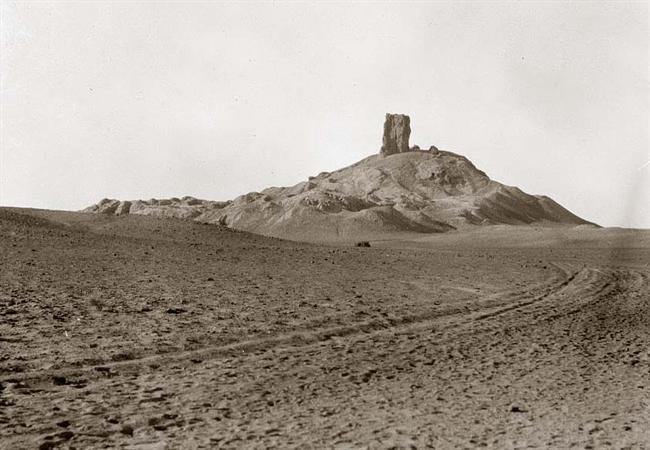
(466, 311)
(553, 316)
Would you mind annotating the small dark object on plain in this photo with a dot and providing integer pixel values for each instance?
(65, 435)
(363, 244)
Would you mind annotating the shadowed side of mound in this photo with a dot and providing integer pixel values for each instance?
(131, 227)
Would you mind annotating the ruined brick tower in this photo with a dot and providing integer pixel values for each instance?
(397, 130)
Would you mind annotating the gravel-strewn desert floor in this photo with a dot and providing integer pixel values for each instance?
(157, 333)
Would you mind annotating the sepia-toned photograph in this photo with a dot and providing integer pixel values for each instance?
(345, 225)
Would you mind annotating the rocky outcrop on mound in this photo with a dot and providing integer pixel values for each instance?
(182, 208)
(398, 191)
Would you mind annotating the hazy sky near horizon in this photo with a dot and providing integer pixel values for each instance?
(158, 99)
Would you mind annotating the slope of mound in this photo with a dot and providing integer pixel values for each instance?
(416, 191)
(131, 228)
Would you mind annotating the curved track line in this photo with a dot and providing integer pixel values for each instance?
(493, 303)
(579, 287)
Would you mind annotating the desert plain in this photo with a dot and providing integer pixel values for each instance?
(144, 332)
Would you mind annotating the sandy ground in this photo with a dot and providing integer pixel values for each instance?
(138, 332)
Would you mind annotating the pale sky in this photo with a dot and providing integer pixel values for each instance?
(159, 99)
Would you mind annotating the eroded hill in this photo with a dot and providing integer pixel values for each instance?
(416, 191)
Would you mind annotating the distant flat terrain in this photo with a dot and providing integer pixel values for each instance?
(141, 332)
(527, 236)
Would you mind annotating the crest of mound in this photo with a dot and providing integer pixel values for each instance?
(415, 191)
